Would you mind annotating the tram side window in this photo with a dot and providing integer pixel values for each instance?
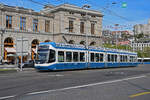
(112, 58)
(137, 59)
(97, 57)
(101, 57)
(60, 56)
(109, 58)
(82, 57)
(68, 56)
(134, 59)
(131, 58)
(52, 56)
(115, 58)
(126, 59)
(92, 57)
(121, 58)
(75, 56)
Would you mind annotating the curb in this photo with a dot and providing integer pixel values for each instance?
(29, 69)
(5, 71)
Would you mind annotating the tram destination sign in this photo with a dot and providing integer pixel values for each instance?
(69, 45)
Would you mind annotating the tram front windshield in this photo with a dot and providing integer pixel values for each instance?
(42, 56)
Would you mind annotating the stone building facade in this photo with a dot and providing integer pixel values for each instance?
(62, 24)
(139, 46)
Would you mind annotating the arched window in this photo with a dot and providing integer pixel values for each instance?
(34, 43)
(71, 42)
(92, 43)
(82, 42)
(8, 42)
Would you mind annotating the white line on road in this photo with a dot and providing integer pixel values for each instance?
(56, 75)
(6, 97)
(88, 85)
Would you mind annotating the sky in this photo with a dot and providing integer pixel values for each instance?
(136, 11)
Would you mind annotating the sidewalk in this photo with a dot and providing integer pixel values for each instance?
(12, 68)
(5, 66)
(8, 68)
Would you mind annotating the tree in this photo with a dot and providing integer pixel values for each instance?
(138, 36)
(122, 47)
(145, 53)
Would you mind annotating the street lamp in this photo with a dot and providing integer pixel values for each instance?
(2, 32)
(84, 7)
(116, 26)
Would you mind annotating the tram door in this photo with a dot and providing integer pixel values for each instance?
(87, 59)
(118, 59)
(105, 59)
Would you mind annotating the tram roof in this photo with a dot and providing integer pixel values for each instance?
(82, 47)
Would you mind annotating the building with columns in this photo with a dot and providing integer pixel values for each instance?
(62, 24)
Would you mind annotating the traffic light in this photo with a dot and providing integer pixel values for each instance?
(124, 4)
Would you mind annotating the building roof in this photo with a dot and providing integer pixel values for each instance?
(114, 32)
(69, 7)
(21, 10)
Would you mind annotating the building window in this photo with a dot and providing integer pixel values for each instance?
(92, 28)
(82, 27)
(8, 21)
(82, 15)
(35, 25)
(71, 13)
(70, 26)
(22, 23)
(93, 16)
(47, 26)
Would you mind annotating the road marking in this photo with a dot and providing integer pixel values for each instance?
(6, 97)
(56, 75)
(138, 94)
(88, 85)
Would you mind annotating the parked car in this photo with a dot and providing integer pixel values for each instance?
(27, 64)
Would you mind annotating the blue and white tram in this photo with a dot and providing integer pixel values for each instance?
(144, 60)
(57, 56)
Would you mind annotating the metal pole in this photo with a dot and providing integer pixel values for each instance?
(116, 39)
(116, 34)
(87, 41)
(53, 29)
(86, 6)
(22, 52)
(2, 44)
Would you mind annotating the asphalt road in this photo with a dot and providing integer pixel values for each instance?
(131, 83)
